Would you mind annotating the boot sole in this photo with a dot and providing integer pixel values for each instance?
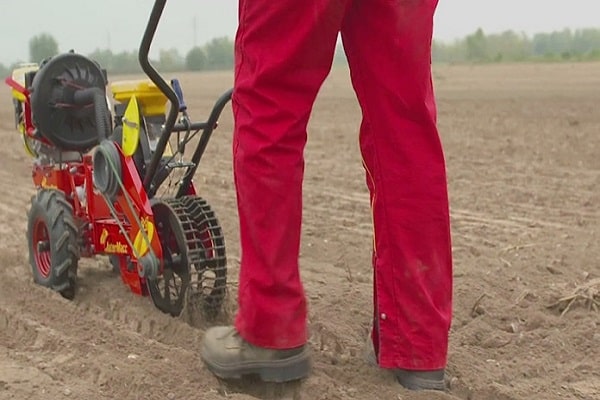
(412, 381)
(284, 370)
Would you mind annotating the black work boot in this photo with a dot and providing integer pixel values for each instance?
(228, 356)
(421, 380)
(412, 380)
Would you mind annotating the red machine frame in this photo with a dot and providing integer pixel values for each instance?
(122, 223)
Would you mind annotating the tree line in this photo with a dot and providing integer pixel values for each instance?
(217, 54)
(510, 46)
(478, 47)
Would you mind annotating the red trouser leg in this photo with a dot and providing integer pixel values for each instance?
(284, 51)
(388, 44)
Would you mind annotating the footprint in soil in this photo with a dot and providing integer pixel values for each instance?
(254, 387)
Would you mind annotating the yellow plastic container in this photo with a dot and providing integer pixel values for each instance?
(18, 75)
(149, 97)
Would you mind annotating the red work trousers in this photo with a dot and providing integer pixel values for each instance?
(284, 51)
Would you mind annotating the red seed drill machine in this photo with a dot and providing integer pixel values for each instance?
(120, 182)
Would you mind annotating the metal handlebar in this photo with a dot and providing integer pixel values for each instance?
(164, 87)
(175, 96)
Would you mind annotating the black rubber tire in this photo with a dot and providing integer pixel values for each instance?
(53, 260)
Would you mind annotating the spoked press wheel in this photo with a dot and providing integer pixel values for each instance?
(169, 288)
(209, 264)
(52, 239)
(193, 247)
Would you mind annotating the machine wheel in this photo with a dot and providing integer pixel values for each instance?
(209, 274)
(52, 239)
(195, 272)
(169, 288)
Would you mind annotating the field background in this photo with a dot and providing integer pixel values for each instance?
(522, 145)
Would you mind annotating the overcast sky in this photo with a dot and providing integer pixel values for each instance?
(85, 25)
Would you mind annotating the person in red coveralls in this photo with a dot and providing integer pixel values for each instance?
(283, 52)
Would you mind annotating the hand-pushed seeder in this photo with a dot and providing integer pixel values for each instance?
(119, 182)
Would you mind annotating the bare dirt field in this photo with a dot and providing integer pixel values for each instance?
(523, 150)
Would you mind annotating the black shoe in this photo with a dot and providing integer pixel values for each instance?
(421, 380)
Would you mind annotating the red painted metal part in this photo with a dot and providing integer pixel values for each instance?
(42, 254)
(100, 232)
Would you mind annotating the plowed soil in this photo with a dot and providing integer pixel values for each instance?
(522, 145)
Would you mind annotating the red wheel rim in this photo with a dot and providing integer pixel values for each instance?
(41, 248)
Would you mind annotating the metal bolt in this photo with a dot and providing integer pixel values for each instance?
(383, 316)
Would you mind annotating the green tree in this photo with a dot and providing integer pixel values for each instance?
(4, 72)
(508, 46)
(195, 60)
(170, 60)
(562, 41)
(593, 55)
(41, 47)
(125, 62)
(449, 53)
(541, 44)
(104, 57)
(586, 41)
(219, 53)
(564, 45)
(477, 46)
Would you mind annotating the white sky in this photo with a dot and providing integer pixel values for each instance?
(85, 25)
